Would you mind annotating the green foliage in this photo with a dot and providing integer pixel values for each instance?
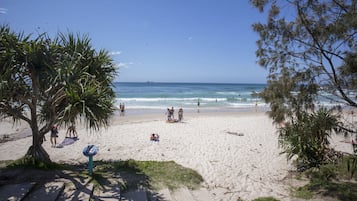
(303, 192)
(30, 162)
(5, 163)
(339, 171)
(46, 81)
(151, 174)
(347, 168)
(344, 191)
(352, 165)
(308, 53)
(324, 174)
(329, 180)
(308, 138)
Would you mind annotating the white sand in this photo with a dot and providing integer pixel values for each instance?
(232, 166)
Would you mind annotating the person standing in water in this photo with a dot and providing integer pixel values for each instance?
(198, 105)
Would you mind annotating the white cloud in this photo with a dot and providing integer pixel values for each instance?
(115, 53)
(124, 65)
(3, 10)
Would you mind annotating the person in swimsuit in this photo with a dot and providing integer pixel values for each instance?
(54, 135)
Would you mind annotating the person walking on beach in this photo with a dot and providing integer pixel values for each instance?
(54, 135)
(168, 114)
(172, 113)
(180, 114)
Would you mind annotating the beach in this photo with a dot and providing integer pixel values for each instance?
(236, 153)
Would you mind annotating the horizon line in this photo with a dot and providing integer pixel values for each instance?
(165, 82)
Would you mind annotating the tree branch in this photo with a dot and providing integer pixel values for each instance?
(334, 77)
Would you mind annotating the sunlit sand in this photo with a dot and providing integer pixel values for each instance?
(236, 153)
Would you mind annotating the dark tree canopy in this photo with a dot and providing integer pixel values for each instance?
(309, 48)
(47, 81)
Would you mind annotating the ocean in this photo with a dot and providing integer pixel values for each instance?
(210, 96)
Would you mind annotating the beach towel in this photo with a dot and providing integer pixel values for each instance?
(67, 141)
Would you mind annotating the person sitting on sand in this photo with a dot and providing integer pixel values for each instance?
(157, 138)
(154, 137)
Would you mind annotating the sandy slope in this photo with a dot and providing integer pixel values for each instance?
(237, 154)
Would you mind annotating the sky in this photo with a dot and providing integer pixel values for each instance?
(209, 41)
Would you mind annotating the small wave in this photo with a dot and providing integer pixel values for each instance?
(153, 99)
(228, 93)
(169, 99)
(147, 107)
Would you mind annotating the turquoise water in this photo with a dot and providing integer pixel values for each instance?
(146, 96)
(159, 96)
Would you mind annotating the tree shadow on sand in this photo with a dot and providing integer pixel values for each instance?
(108, 178)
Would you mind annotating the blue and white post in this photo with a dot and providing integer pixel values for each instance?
(90, 151)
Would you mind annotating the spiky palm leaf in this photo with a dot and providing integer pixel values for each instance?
(308, 138)
(46, 81)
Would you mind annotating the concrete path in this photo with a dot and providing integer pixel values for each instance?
(50, 191)
(15, 192)
(62, 189)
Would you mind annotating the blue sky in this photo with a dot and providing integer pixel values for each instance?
(155, 40)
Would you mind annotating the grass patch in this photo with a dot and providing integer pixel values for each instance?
(266, 199)
(344, 191)
(331, 180)
(303, 192)
(346, 169)
(5, 163)
(157, 174)
(130, 174)
(28, 162)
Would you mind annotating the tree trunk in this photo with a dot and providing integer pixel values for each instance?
(36, 151)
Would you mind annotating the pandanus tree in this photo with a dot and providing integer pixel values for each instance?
(46, 81)
(309, 48)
